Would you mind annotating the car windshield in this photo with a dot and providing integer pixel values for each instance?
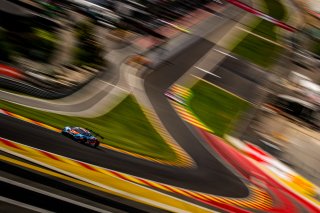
(83, 132)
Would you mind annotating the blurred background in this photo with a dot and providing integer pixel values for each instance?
(138, 74)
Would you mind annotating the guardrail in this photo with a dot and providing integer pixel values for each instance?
(25, 88)
(28, 89)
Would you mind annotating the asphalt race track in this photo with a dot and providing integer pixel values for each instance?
(240, 78)
(211, 173)
(209, 176)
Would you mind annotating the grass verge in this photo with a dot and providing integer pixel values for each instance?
(218, 109)
(125, 127)
(257, 50)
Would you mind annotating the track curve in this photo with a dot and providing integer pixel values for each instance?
(210, 175)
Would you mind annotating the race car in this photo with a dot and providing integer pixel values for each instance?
(80, 135)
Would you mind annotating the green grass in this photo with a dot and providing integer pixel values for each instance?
(125, 127)
(218, 109)
(257, 50)
(316, 48)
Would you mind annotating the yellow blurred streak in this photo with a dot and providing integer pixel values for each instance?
(106, 182)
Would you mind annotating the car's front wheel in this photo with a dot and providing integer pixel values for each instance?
(64, 134)
(96, 144)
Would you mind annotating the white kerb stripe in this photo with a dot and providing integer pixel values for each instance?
(227, 54)
(49, 194)
(203, 70)
(23, 205)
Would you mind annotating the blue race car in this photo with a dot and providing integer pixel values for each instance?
(80, 135)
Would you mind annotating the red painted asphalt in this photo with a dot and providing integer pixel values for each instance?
(283, 196)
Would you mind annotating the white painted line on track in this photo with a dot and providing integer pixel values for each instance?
(208, 82)
(224, 53)
(271, 145)
(114, 86)
(203, 70)
(175, 26)
(259, 36)
(23, 205)
(49, 194)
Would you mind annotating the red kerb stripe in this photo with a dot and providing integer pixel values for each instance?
(119, 175)
(49, 155)
(256, 149)
(147, 183)
(202, 197)
(9, 143)
(87, 166)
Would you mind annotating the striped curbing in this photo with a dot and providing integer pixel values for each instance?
(258, 199)
(183, 159)
(188, 116)
(180, 97)
(278, 170)
(136, 83)
(99, 178)
(180, 101)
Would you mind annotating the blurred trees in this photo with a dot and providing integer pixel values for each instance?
(5, 47)
(33, 42)
(88, 51)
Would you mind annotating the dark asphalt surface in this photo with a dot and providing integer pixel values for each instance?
(244, 80)
(240, 78)
(210, 175)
